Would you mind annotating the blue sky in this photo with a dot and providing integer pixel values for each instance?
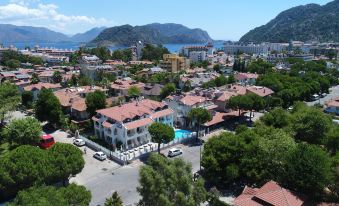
(222, 19)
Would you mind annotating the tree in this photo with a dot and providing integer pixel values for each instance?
(76, 194)
(308, 170)
(220, 81)
(165, 182)
(277, 118)
(134, 91)
(311, 125)
(199, 116)
(84, 81)
(153, 53)
(258, 103)
(12, 63)
(94, 101)
(22, 168)
(332, 140)
(48, 108)
(161, 133)
(27, 99)
(231, 79)
(35, 79)
(67, 161)
(167, 90)
(114, 200)
(57, 78)
(23, 131)
(9, 99)
(240, 102)
(49, 195)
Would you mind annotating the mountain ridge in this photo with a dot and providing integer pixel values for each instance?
(305, 23)
(154, 33)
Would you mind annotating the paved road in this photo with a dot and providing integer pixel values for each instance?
(103, 178)
(334, 92)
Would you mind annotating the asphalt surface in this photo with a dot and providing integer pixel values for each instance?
(334, 92)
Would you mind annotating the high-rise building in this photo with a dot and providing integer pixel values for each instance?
(174, 63)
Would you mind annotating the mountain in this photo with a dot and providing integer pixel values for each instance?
(156, 33)
(22, 34)
(88, 35)
(303, 23)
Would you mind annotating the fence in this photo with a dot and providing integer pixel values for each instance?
(123, 157)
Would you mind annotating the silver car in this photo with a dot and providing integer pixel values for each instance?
(79, 142)
(100, 156)
(174, 152)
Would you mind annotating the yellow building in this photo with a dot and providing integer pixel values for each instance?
(174, 63)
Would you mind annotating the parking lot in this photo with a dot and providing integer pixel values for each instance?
(102, 178)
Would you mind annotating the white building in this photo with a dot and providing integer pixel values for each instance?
(246, 48)
(198, 56)
(127, 124)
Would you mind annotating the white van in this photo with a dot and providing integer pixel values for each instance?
(174, 152)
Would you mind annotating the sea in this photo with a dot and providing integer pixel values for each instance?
(173, 48)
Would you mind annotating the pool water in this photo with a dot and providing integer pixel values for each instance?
(181, 133)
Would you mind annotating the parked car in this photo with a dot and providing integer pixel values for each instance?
(100, 156)
(314, 97)
(79, 142)
(174, 152)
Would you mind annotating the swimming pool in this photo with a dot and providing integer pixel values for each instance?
(182, 133)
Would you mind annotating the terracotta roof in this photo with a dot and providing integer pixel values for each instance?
(79, 105)
(217, 118)
(138, 123)
(131, 110)
(261, 91)
(162, 113)
(191, 100)
(106, 124)
(241, 90)
(226, 96)
(269, 194)
(126, 84)
(333, 102)
(241, 76)
(42, 85)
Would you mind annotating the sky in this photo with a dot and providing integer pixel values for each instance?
(222, 19)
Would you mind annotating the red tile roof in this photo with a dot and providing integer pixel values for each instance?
(261, 91)
(138, 123)
(333, 102)
(42, 85)
(269, 194)
(106, 124)
(241, 76)
(191, 100)
(131, 110)
(126, 84)
(162, 113)
(217, 118)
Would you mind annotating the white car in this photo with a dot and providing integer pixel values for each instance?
(79, 142)
(174, 152)
(100, 156)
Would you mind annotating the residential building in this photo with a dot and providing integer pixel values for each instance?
(260, 91)
(36, 88)
(270, 193)
(152, 90)
(182, 105)
(174, 63)
(198, 56)
(231, 48)
(128, 124)
(73, 100)
(332, 106)
(246, 78)
(120, 87)
(197, 79)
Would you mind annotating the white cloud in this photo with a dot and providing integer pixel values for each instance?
(35, 13)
